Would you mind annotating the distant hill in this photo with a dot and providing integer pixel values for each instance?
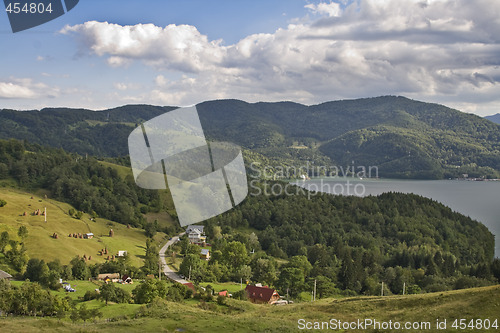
(403, 137)
(494, 118)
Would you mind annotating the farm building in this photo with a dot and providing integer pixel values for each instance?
(262, 295)
(126, 279)
(5, 275)
(205, 254)
(114, 277)
(88, 236)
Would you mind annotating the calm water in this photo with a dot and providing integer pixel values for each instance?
(479, 200)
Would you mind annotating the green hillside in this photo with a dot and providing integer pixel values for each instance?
(40, 243)
(241, 316)
(405, 138)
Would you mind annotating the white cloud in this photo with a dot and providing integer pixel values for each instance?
(161, 80)
(11, 90)
(23, 88)
(332, 9)
(180, 47)
(439, 49)
(126, 86)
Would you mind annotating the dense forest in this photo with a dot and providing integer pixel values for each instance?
(353, 243)
(80, 181)
(404, 138)
(348, 244)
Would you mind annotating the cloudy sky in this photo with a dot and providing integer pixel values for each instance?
(106, 53)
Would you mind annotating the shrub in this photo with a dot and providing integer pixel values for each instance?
(2, 203)
(207, 306)
(221, 300)
(240, 294)
(90, 295)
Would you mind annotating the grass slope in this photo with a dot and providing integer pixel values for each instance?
(41, 245)
(467, 304)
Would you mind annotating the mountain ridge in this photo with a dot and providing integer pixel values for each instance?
(494, 118)
(406, 138)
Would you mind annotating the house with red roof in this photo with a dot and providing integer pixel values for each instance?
(262, 295)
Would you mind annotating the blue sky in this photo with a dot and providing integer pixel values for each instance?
(109, 53)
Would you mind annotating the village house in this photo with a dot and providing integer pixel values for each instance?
(88, 236)
(114, 277)
(122, 253)
(205, 254)
(195, 234)
(262, 295)
(5, 275)
(126, 279)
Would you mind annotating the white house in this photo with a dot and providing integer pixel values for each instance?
(195, 234)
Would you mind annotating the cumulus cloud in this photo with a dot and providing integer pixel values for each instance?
(332, 9)
(23, 88)
(126, 86)
(417, 48)
(180, 47)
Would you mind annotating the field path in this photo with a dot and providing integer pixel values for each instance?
(166, 268)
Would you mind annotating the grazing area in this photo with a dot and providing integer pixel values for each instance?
(242, 316)
(40, 242)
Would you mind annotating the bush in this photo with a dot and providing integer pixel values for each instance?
(174, 295)
(90, 295)
(241, 295)
(466, 282)
(158, 308)
(221, 300)
(2, 203)
(207, 306)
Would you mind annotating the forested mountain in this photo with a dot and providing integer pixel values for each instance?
(494, 118)
(353, 242)
(404, 138)
(347, 243)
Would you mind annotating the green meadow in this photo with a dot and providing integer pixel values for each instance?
(60, 222)
(243, 316)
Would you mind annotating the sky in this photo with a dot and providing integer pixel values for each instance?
(107, 53)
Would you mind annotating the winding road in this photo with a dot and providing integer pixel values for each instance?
(166, 268)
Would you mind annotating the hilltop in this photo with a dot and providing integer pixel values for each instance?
(403, 137)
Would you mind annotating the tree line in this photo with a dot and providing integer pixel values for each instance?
(80, 181)
(347, 244)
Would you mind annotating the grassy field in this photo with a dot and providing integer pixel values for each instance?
(229, 286)
(58, 221)
(242, 316)
(123, 171)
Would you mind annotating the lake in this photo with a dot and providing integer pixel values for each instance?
(479, 200)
